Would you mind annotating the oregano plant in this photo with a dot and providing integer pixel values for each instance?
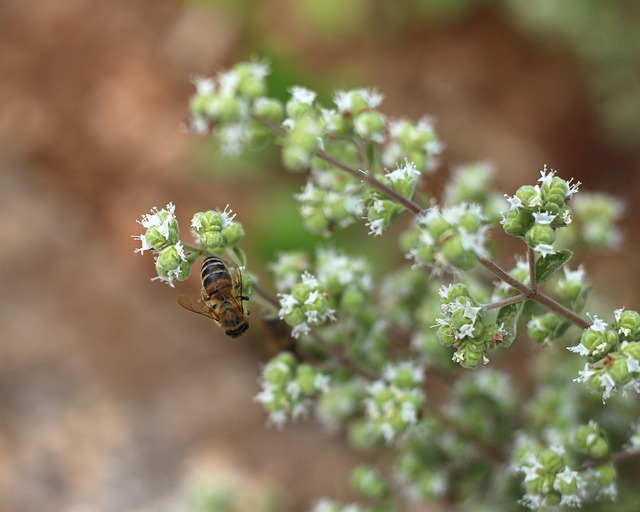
(402, 362)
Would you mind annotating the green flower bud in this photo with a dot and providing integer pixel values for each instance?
(232, 234)
(306, 379)
(631, 349)
(555, 192)
(370, 125)
(229, 109)
(551, 461)
(211, 239)
(590, 440)
(206, 221)
(279, 371)
(618, 370)
(369, 482)
(540, 234)
(470, 222)
(360, 434)
(270, 109)
(599, 344)
(540, 328)
(607, 474)
(170, 260)
(628, 325)
(438, 227)
(529, 196)
(457, 256)
(251, 82)
(353, 299)
(446, 335)
(517, 222)
(296, 317)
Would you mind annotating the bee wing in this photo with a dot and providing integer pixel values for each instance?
(197, 305)
(236, 277)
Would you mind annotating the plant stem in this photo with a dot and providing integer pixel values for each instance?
(627, 454)
(506, 302)
(531, 293)
(531, 258)
(534, 294)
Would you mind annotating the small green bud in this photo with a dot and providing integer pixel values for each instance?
(306, 379)
(369, 482)
(353, 299)
(211, 239)
(618, 370)
(279, 371)
(541, 327)
(555, 192)
(370, 125)
(232, 234)
(438, 227)
(529, 196)
(551, 461)
(628, 325)
(270, 109)
(631, 349)
(540, 234)
(590, 440)
(457, 256)
(205, 221)
(517, 222)
(251, 82)
(170, 260)
(607, 474)
(446, 335)
(229, 109)
(296, 317)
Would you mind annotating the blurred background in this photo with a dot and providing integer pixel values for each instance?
(112, 398)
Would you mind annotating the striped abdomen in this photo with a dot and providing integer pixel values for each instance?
(216, 279)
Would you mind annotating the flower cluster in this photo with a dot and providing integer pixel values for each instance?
(536, 212)
(233, 106)
(548, 479)
(594, 221)
(162, 236)
(306, 305)
(287, 388)
(464, 326)
(215, 232)
(394, 401)
(450, 237)
(381, 211)
(612, 353)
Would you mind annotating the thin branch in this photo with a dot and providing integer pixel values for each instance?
(505, 302)
(531, 293)
(531, 258)
(627, 454)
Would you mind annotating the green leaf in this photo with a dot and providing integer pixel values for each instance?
(550, 264)
(508, 317)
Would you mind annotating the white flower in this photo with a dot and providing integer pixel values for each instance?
(545, 178)
(302, 94)
(544, 218)
(544, 249)
(204, 85)
(598, 324)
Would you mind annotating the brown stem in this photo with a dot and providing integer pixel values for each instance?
(534, 294)
(531, 258)
(627, 454)
(506, 302)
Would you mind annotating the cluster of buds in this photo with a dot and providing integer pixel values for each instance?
(348, 280)
(594, 221)
(612, 353)
(591, 440)
(536, 212)
(287, 388)
(548, 479)
(414, 141)
(162, 237)
(215, 230)
(369, 482)
(464, 326)
(393, 402)
(453, 237)
(473, 183)
(307, 304)
(381, 211)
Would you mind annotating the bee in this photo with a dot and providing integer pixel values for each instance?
(221, 297)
